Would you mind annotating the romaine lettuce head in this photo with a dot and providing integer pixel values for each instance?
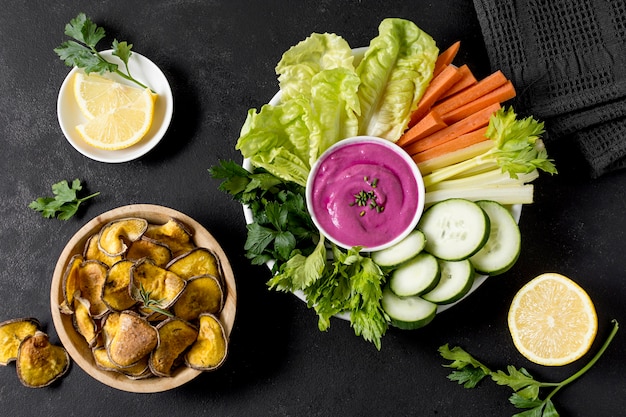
(394, 73)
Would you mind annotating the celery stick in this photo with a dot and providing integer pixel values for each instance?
(503, 194)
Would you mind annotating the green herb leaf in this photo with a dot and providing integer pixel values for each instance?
(65, 202)
(470, 371)
(82, 53)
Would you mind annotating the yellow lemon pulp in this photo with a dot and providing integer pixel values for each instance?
(118, 115)
(552, 320)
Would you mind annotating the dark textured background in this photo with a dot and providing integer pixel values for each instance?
(219, 58)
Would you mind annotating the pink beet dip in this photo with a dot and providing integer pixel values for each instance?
(366, 192)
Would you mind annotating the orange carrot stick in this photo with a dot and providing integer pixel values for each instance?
(481, 88)
(439, 85)
(446, 57)
(467, 80)
(470, 123)
(460, 142)
(499, 95)
(428, 125)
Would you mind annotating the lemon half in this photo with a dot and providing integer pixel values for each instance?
(552, 320)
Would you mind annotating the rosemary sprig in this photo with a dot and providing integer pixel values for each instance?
(151, 304)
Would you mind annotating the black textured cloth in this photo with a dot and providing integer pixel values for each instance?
(567, 60)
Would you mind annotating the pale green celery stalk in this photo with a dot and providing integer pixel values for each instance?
(518, 149)
(494, 176)
(503, 194)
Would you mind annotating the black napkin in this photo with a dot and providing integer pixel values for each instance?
(567, 60)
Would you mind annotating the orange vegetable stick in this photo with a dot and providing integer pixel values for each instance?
(440, 84)
(461, 142)
(481, 88)
(499, 95)
(467, 79)
(446, 57)
(429, 124)
(470, 123)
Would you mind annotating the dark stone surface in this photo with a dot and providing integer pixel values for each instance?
(219, 58)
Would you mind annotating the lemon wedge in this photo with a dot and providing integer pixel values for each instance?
(98, 95)
(552, 320)
(118, 115)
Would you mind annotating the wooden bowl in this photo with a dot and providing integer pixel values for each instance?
(76, 345)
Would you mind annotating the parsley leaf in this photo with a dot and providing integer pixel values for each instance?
(81, 52)
(526, 390)
(65, 202)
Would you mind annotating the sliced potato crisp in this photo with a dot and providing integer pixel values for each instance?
(203, 294)
(175, 336)
(145, 247)
(198, 261)
(174, 233)
(134, 339)
(91, 279)
(118, 234)
(92, 251)
(83, 322)
(149, 281)
(12, 332)
(71, 285)
(40, 363)
(211, 347)
(116, 288)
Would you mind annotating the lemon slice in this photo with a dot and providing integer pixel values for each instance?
(98, 95)
(552, 320)
(121, 126)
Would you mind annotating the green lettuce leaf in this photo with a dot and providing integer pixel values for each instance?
(394, 73)
(300, 63)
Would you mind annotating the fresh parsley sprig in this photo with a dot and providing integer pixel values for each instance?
(65, 202)
(82, 53)
(469, 372)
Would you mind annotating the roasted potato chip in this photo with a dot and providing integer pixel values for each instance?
(174, 233)
(92, 251)
(175, 336)
(83, 322)
(117, 235)
(145, 247)
(91, 278)
(203, 294)
(40, 363)
(116, 288)
(198, 261)
(110, 325)
(210, 349)
(12, 332)
(134, 339)
(155, 286)
(138, 371)
(71, 282)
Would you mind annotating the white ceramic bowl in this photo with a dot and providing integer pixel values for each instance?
(384, 156)
(76, 345)
(147, 72)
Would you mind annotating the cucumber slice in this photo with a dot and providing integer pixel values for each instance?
(456, 280)
(402, 251)
(407, 313)
(455, 229)
(416, 276)
(503, 247)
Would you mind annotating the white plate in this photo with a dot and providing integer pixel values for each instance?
(145, 71)
(516, 211)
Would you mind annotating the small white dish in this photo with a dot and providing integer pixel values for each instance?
(147, 72)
